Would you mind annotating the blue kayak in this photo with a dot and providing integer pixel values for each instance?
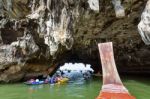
(35, 83)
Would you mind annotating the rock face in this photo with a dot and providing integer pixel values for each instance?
(37, 33)
(131, 54)
(144, 25)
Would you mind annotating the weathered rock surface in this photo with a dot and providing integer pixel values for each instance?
(144, 25)
(38, 33)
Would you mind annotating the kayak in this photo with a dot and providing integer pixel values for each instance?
(64, 80)
(35, 83)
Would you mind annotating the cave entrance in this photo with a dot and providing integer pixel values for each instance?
(75, 71)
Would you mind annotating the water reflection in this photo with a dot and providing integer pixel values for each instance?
(33, 88)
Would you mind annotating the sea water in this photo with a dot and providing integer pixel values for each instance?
(80, 89)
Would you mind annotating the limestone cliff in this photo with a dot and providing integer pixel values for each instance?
(36, 34)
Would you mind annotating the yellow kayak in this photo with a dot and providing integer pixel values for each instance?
(64, 80)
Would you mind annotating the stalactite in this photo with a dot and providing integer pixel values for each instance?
(36, 14)
(49, 2)
(1, 8)
(94, 4)
(9, 5)
(1, 41)
(15, 26)
(119, 9)
(33, 6)
(27, 47)
(143, 26)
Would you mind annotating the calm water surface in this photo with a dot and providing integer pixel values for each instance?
(76, 90)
